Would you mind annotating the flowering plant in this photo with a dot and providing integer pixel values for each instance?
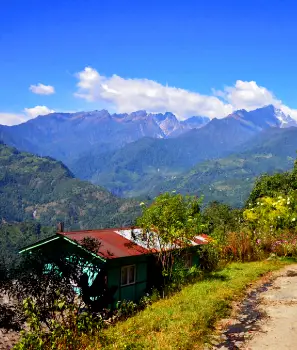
(272, 214)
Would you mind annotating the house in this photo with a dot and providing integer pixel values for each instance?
(124, 261)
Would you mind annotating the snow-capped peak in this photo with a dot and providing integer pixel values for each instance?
(285, 119)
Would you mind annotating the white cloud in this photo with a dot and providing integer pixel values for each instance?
(12, 118)
(129, 95)
(41, 89)
(29, 113)
(37, 110)
(249, 96)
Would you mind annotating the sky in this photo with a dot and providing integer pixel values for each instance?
(200, 57)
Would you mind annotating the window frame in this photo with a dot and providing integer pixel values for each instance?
(128, 275)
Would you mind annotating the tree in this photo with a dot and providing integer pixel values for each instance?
(170, 222)
(272, 185)
(221, 218)
(268, 185)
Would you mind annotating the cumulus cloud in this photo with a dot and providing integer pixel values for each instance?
(12, 118)
(249, 96)
(28, 113)
(129, 95)
(37, 110)
(41, 89)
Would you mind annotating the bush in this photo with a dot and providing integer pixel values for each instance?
(70, 329)
(125, 309)
(209, 256)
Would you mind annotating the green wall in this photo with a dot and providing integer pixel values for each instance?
(130, 292)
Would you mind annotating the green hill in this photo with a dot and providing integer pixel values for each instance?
(44, 190)
(230, 179)
(132, 170)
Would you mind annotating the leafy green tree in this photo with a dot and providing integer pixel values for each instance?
(221, 218)
(272, 185)
(268, 185)
(170, 222)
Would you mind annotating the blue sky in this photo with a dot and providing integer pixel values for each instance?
(190, 57)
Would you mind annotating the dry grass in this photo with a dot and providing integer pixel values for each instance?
(184, 320)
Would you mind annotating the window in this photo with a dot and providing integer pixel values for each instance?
(188, 260)
(128, 275)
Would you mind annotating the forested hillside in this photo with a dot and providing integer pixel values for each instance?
(148, 166)
(231, 179)
(44, 190)
(14, 236)
(135, 168)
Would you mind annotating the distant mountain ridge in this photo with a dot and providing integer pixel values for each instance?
(127, 153)
(137, 167)
(263, 118)
(65, 136)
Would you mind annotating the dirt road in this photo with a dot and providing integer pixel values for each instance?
(266, 319)
(279, 332)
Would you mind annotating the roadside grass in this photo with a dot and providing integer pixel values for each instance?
(184, 320)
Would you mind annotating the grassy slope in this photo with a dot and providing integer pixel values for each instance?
(183, 321)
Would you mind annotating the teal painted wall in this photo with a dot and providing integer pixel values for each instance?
(195, 260)
(129, 292)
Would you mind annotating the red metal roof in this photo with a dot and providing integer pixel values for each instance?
(113, 245)
(199, 241)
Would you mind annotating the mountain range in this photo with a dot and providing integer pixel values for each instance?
(142, 154)
(136, 168)
(65, 136)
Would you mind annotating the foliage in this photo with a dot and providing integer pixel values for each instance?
(125, 309)
(271, 214)
(241, 246)
(209, 256)
(169, 223)
(182, 276)
(70, 329)
(270, 185)
(14, 236)
(220, 219)
(46, 276)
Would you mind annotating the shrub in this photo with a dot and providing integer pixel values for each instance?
(70, 328)
(125, 309)
(209, 256)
